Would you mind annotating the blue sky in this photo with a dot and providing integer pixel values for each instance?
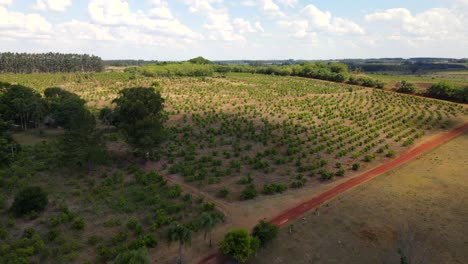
(241, 29)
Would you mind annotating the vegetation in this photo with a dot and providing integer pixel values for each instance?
(29, 200)
(181, 234)
(447, 91)
(136, 256)
(405, 87)
(239, 245)
(232, 134)
(138, 114)
(265, 232)
(49, 63)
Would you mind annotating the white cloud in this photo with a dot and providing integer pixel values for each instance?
(325, 22)
(52, 5)
(110, 12)
(6, 2)
(116, 13)
(160, 9)
(21, 25)
(258, 27)
(201, 5)
(433, 23)
(75, 29)
(289, 3)
(270, 8)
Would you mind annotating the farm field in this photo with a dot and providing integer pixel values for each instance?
(424, 80)
(421, 206)
(273, 133)
(253, 145)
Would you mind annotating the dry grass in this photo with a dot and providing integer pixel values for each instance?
(424, 202)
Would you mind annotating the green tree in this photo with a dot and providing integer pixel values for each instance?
(139, 115)
(28, 200)
(180, 233)
(138, 256)
(200, 60)
(239, 245)
(265, 232)
(405, 87)
(20, 104)
(208, 221)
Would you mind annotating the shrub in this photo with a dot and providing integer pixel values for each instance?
(29, 200)
(325, 175)
(246, 180)
(239, 245)
(223, 193)
(405, 87)
(356, 166)
(369, 157)
(340, 173)
(249, 192)
(274, 188)
(390, 154)
(78, 224)
(265, 232)
(138, 256)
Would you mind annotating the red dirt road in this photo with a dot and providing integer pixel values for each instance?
(293, 213)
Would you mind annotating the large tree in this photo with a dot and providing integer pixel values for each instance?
(139, 115)
(180, 233)
(20, 104)
(239, 244)
(208, 221)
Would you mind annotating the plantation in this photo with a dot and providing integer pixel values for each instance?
(236, 137)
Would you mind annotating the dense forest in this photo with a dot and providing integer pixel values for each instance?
(49, 63)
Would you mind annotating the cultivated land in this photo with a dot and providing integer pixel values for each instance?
(278, 134)
(425, 199)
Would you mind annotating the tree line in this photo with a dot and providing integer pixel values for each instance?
(49, 63)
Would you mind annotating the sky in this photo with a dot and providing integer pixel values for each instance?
(237, 29)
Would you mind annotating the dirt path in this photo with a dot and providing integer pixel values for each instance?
(294, 212)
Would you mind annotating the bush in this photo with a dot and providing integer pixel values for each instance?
(223, 193)
(369, 157)
(239, 245)
(78, 224)
(29, 200)
(356, 166)
(340, 173)
(390, 154)
(139, 256)
(325, 175)
(265, 232)
(405, 87)
(274, 188)
(249, 192)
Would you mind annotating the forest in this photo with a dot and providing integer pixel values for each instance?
(49, 63)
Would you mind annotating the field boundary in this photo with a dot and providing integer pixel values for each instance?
(293, 213)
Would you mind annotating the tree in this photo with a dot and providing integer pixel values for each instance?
(138, 256)
(239, 245)
(139, 115)
(180, 233)
(63, 106)
(28, 200)
(106, 115)
(81, 144)
(20, 104)
(208, 221)
(200, 60)
(265, 232)
(405, 87)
